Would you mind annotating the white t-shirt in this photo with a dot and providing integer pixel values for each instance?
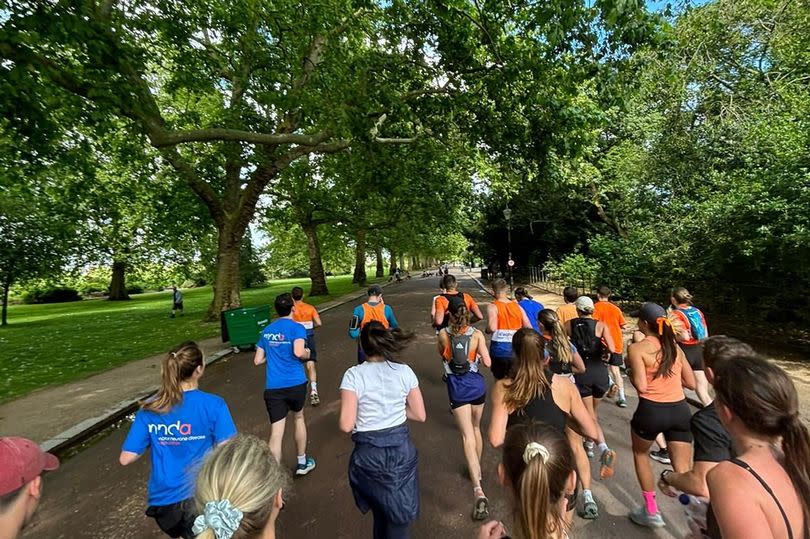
(381, 388)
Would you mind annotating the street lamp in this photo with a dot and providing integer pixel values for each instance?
(508, 214)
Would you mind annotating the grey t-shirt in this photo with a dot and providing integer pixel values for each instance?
(381, 388)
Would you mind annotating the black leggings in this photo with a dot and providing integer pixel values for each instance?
(385, 529)
(672, 419)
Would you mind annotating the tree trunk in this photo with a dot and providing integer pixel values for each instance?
(393, 267)
(360, 258)
(226, 283)
(380, 265)
(118, 283)
(401, 261)
(316, 274)
(6, 286)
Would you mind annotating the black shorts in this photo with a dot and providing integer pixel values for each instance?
(458, 404)
(672, 419)
(594, 382)
(280, 402)
(615, 360)
(694, 355)
(176, 520)
(501, 367)
(313, 354)
(177, 306)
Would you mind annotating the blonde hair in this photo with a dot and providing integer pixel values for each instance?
(528, 373)
(244, 472)
(560, 343)
(178, 365)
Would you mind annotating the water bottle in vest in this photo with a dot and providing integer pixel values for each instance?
(696, 325)
(460, 352)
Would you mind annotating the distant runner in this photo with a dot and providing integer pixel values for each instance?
(449, 298)
(373, 309)
(690, 332)
(610, 315)
(504, 318)
(282, 348)
(177, 302)
(529, 305)
(307, 315)
(568, 311)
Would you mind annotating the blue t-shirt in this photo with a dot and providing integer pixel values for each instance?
(532, 308)
(179, 440)
(283, 368)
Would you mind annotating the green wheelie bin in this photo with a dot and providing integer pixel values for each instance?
(242, 326)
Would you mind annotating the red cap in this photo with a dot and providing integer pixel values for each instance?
(22, 461)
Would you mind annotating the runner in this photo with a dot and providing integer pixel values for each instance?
(433, 306)
(610, 315)
(376, 398)
(373, 309)
(282, 348)
(662, 454)
(659, 372)
(22, 462)
(239, 491)
(765, 490)
(531, 307)
(564, 360)
(449, 297)
(538, 468)
(180, 424)
(569, 310)
(307, 315)
(690, 331)
(177, 302)
(504, 318)
(463, 349)
(590, 337)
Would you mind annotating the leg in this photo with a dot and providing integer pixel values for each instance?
(681, 455)
(616, 374)
(276, 436)
(477, 413)
(644, 471)
(312, 376)
(590, 405)
(702, 388)
(463, 416)
(300, 433)
(589, 507)
(607, 455)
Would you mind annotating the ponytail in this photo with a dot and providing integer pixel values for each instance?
(533, 500)
(377, 340)
(177, 366)
(669, 348)
(528, 374)
(796, 447)
(560, 343)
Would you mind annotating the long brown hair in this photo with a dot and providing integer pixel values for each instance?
(528, 370)
(668, 354)
(682, 295)
(763, 397)
(178, 366)
(459, 319)
(560, 343)
(377, 340)
(538, 477)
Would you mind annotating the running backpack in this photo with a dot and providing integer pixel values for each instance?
(696, 324)
(453, 302)
(460, 352)
(583, 335)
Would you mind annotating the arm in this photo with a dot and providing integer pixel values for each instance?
(694, 481)
(492, 318)
(348, 410)
(577, 365)
(355, 322)
(389, 315)
(638, 374)
(526, 322)
(316, 319)
(738, 515)
(587, 426)
(128, 457)
(441, 343)
(300, 349)
(499, 417)
(687, 374)
(415, 406)
(259, 357)
(679, 326)
(608, 338)
(438, 311)
(476, 311)
(482, 350)
(568, 328)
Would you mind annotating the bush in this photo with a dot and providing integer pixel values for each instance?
(134, 289)
(57, 294)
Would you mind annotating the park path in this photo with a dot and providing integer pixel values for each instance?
(92, 496)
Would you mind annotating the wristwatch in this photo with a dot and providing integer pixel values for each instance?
(664, 476)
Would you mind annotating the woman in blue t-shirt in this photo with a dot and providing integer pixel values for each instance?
(180, 424)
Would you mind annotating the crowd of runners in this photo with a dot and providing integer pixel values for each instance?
(740, 465)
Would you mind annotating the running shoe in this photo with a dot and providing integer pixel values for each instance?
(481, 508)
(662, 456)
(314, 399)
(606, 461)
(588, 449)
(642, 518)
(621, 403)
(304, 469)
(589, 511)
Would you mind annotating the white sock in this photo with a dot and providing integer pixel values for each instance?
(621, 394)
(587, 494)
(589, 444)
(603, 447)
(314, 386)
(302, 459)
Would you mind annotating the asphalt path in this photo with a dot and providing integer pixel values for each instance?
(92, 496)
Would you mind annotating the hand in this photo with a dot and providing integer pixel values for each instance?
(494, 529)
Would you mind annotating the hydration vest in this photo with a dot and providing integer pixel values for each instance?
(696, 325)
(583, 335)
(462, 355)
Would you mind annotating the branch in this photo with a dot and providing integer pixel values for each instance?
(197, 184)
(172, 138)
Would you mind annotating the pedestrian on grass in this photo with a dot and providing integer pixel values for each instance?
(240, 491)
(177, 302)
(22, 463)
(765, 490)
(282, 348)
(377, 397)
(180, 424)
(538, 469)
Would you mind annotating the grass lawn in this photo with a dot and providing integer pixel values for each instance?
(56, 343)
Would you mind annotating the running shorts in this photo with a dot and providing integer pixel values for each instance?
(458, 404)
(694, 355)
(501, 367)
(313, 354)
(176, 519)
(177, 306)
(616, 360)
(280, 402)
(672, 419)
(469, 388)
(594, 382)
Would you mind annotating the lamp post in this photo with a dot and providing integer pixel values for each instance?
(508, 214)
